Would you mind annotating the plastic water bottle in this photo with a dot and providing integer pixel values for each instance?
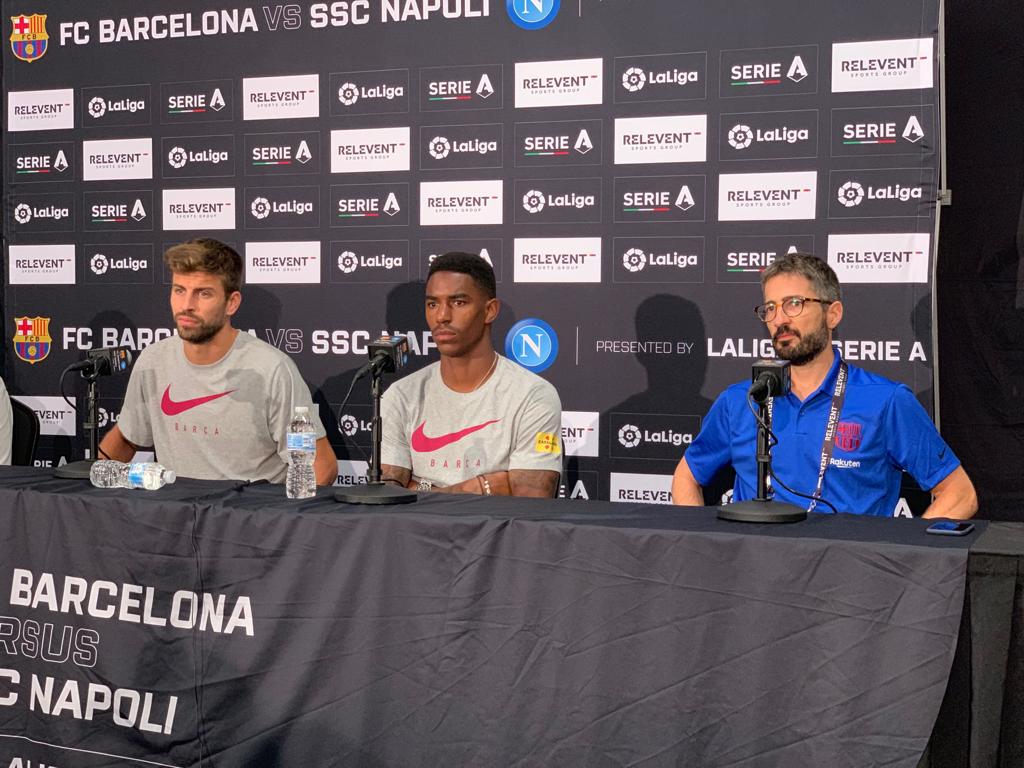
(140, 474)
(301, 480)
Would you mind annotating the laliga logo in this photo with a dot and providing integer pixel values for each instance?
(22, 214)
(439, 147)
(97, 107)
(348, 94)
(740, 136)
(851, 194)
(634, 260)
(634, 79)
(533, 201)
(260, 208)
(99, 264)
(348, 425)
(177, 157)
(347, 263)
(629, 436)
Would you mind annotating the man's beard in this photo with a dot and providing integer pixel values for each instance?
(201, 333)
(805, 348)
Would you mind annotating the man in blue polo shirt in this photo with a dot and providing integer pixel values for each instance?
(882, 430)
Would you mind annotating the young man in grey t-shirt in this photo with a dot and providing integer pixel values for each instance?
(213, 402)
(474, 422)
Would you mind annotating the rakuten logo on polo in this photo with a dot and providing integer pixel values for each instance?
(667, 139)
(282, 262)
(460, 203)
(276, 98)
(881, 258)
(767, 196)
(41, 110)
(199, 208)
(882, 65)
(641, 489)
(370, 149)
(109, 160)
(565, 83)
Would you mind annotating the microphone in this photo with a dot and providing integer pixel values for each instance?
(104, 362)
(388, 354)
(770, 378)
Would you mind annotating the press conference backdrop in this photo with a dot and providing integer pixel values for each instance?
(629, 168)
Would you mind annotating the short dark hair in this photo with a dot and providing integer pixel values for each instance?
(467, 264)
(204, 254)
(821, 276)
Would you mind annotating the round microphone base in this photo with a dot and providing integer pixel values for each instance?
(375, 493)
(75, 470)
(755, 511)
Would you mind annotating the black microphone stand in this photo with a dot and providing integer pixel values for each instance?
(762, 509)
(376, 491)
(80, 470)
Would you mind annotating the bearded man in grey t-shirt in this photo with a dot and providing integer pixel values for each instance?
(214, 403)
(474, 422)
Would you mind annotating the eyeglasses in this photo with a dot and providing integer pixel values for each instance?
(792, 306)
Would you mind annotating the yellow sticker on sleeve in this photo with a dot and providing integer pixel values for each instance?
(547, 442)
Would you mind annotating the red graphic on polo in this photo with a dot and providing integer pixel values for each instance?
(421, 443)
(173, 408)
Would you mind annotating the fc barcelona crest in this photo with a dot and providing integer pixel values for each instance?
(848, 435)
(28, 36)
(32, 338)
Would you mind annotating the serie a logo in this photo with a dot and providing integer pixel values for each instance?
(29, 40)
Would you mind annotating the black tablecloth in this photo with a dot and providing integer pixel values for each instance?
(471, 631)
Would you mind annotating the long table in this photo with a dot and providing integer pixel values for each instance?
(220, 624)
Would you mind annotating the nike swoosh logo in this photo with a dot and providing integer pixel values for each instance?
(421, 443)
(172, 408)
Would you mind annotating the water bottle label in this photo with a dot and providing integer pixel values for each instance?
(302, 441)
(136, 473)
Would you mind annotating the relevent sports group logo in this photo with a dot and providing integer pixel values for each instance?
(41, 110)
(284, 97)
(557, 260)
(41, 264)
(199, 208)
(362, 150)
(570, 82)
(663, 139)
(282, 262)
(767, 196)
(880, 258)
(883, 65)
(461, 203)
(113, 159)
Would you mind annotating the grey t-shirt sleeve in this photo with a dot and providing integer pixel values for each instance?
(537, 441)
(134, 419)
(394, 443)
(6, 425)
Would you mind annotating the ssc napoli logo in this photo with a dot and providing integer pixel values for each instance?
(532, 14)
(532, 343)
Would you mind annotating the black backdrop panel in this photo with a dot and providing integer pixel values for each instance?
(629, 169)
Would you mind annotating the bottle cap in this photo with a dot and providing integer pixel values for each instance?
(301, 409)
(170, 475)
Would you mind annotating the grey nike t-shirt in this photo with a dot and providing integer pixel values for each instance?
(226, 420)
(512, 422)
